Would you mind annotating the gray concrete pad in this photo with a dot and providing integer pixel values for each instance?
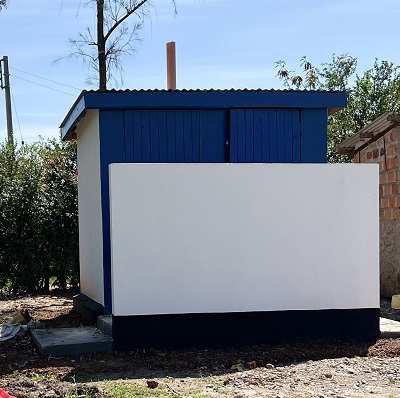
(389, 328)
(71, 341)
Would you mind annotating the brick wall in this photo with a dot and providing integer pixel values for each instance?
(385, 151)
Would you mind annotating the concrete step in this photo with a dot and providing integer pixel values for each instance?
(389, 328)
(104, 323)
(87, 307)
(71, 341)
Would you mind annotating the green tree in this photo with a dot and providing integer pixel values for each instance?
(375, 91)
(104, 50)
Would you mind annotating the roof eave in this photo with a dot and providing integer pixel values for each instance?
(368, 134)
(68, 125)
(199, 99)
(216, 99)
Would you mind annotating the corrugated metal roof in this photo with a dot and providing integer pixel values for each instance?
(368, 134)
(212, 90)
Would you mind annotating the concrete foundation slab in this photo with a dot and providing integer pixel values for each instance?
(71, 341)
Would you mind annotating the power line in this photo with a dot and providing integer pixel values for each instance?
(16, 113)
(61, 6)
(42, 85)
(49, 80)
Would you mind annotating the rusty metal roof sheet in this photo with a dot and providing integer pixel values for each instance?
(368, 134)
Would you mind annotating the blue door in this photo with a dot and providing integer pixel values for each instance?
(176, 136)
(264, 136)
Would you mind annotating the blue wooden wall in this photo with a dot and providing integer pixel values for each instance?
(218, 135)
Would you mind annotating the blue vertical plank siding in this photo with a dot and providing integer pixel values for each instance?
(233, 137)
(187, 135)
(196, 136)
(163, 136)
(154, 144)
(257, 136)
(238, 137)
(264, 135)
(128, 123)
(264, 117)
(249, 133)
(171, 137)
(175, 136)
(179, 138)
(288, 136)
(146, 138)
(273, 139)
(241, 132)
(213, 136)
(280, 132)
(112, 150)
(296, 126)
(314, 135)
(137, 137)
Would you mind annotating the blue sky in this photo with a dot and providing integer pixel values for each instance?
(220, 44)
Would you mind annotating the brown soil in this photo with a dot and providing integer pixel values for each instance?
(21, 364)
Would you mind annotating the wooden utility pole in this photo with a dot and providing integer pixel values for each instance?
(171, 66)
(7, 91)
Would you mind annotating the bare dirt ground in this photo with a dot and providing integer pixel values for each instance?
(316, 369)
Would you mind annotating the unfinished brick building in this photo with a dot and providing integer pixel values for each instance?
(379, 142)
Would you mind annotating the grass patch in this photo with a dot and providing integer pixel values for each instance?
(128, 389)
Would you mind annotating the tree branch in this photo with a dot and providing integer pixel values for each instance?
(122, 19)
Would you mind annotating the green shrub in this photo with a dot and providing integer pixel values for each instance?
(38, 216)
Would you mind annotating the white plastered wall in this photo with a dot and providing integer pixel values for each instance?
(201, 238)
(89, 207)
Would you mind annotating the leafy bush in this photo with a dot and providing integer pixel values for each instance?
(38, 216)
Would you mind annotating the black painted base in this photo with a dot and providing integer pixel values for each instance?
(218, 330)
